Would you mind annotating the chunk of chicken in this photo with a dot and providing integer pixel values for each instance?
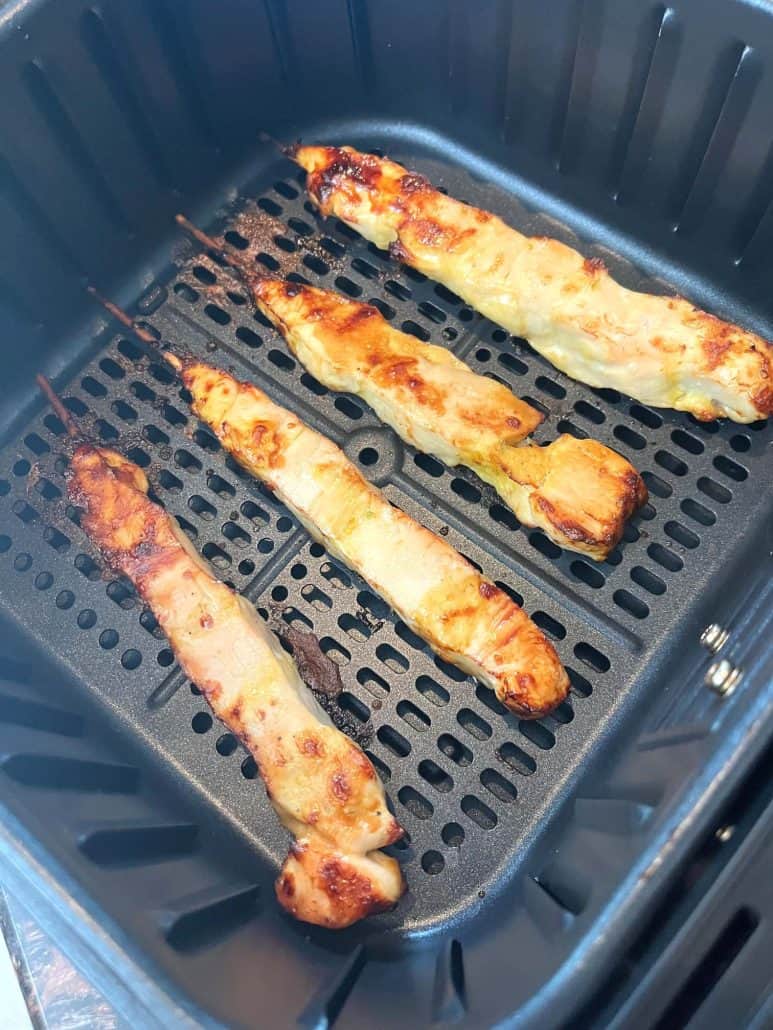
(466, 618)
(660, 350)
(321, 784)
(579, 492)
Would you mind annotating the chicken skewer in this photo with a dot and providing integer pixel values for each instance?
(660, 350)
(320, 783)
(466, 618)
(579, 492)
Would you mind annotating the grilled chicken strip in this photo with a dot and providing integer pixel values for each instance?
(660, 350)
(466, 618)
(579, 492)
(320, 783)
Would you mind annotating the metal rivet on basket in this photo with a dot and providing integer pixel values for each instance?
(723, 677)
(714, 637)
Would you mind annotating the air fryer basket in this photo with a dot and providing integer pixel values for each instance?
(638, 134)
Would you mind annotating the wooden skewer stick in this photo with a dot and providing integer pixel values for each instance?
(61, 412)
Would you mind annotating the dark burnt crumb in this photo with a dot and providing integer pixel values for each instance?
(322, 676)
(370, 620)
(443, 531)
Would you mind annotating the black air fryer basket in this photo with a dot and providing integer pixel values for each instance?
(608, 864)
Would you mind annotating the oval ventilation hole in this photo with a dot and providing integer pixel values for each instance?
(432, 691)
(372, 682)
(473, 724)
(466, 490)
(502, 789)
(65, 599)
(219, 486)
(226, 744)
(671, 463)
(581, 687)
(392, 658)
(298, 571)
(516, 758)
(56, 539)
(590, 412)
(131, 659)
(479, 812)
(630, 437)
(435, 776)
(450, 671)
(698, 512)
(648, 418)
(216, 555)
(631, 604)
(335, 651)
(551, 388)
(586, 574)
(503, 516)
(121, 593)
(87, 619)
(364, 268)
(591, 657)
(552, 627)
(512, 364)
(730, 468)
(347, 407)
(681, 534)
(453, 835)
(715, 491)
(454, 749)
(406, 634)
(651, 583)
(415, 802)
(666, 558)
(393, 741)
(111, 369)
(186, 292)
(249, 768)
(412, 715)
(354, 706)
(383, 770)
(541, 543)
(687, 441)
(432, 862)
(432, 312)
(44, 581)
(740, 443)
(22, 562)
(537, 734)
(87, 567)
(429, 465)
(335, 575)
(317, 598)
(487, 697)
(201, 722)
(202, 508)
(657, 486)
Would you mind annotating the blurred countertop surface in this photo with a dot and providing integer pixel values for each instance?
(40, 989)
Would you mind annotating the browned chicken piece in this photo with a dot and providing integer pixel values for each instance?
(465, 617)
(660, 350)
(321, 784)
(579, 492)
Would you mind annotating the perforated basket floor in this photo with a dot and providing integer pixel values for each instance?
(472, 785)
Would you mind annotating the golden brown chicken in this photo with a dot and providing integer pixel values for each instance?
(320, 783)
(660, 350)
(465, 617)
(579, 492)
